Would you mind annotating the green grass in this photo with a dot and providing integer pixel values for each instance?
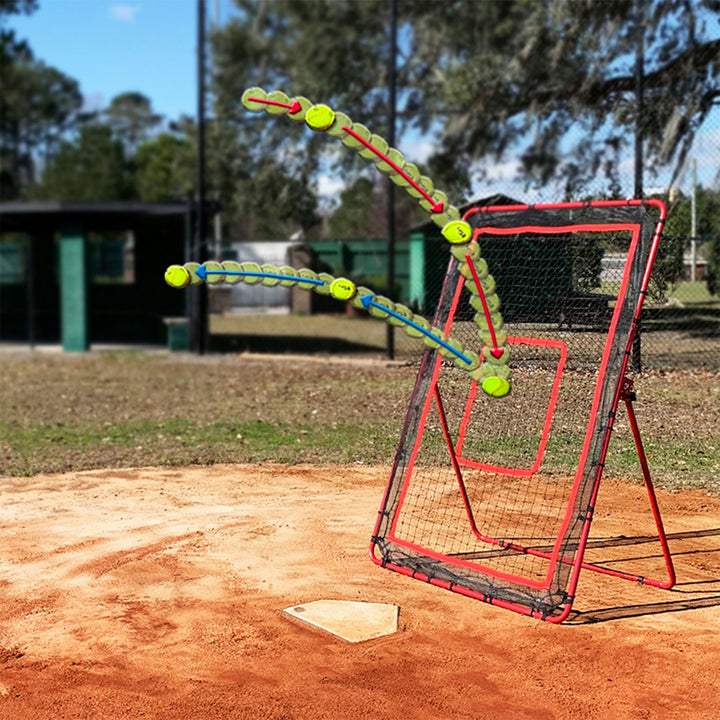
(694, 293)
(674, 464)
(688, 293)
(42, 448)
(62, 413)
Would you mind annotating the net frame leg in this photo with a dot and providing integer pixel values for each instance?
(627, 395)
(458, 471)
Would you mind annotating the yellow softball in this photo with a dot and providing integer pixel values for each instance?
(319, 117)
(495, 386)
(177, 276)
(457, 232)
(342, 289)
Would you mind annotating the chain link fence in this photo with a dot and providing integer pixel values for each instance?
(680, 325)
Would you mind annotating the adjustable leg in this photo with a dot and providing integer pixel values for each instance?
(627, 395)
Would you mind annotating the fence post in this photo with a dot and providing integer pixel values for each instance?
(73, 290)
(636, 360)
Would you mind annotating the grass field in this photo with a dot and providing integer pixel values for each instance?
(63, 412)
(151, 547)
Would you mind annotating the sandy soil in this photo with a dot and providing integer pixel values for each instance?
(156, 593)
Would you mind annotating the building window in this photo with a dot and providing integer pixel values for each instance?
(13, 258)
(111, 257)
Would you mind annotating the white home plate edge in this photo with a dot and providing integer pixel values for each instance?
(351, 621)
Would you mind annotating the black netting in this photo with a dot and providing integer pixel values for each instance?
(501, 507)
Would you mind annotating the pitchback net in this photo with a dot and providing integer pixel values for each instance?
(493, 497)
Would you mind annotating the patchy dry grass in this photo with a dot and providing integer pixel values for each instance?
(65, 412)
(59, 413)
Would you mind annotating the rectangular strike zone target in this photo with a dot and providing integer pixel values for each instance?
(493, 497)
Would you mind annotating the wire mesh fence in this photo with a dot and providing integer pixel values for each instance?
(680, 325)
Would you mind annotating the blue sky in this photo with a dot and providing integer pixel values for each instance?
(111, 47)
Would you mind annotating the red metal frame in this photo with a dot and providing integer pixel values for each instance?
(624, 393)
(627, 396)
(517, 472)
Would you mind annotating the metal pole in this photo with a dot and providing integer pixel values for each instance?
(188, 255)
(639, 133)
(30, 280)
(392, 103)
(639, 94)
(201, 338)
(693, 223)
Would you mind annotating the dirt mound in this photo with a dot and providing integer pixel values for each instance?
(156, 593)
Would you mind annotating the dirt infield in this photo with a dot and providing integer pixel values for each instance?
(156, 594)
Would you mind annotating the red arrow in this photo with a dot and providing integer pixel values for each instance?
(293, 107)
(496, 352)
(435, 207)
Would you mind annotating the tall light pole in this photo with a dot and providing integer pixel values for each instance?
(639, 133)
(392, 102)
(200, 329)
(639, 93)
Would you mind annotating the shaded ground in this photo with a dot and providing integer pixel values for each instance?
(156, 593)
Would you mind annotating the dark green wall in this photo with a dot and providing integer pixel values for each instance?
(115, 313)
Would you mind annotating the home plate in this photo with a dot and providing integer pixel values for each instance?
(351, 621)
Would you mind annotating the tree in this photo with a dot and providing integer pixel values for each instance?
(550, 80)
(258, 196)
(254, 50)
(362, 211)
(14, 7)
(165, 169)
(278, 203)
(350, 219)
(131, 117)
(558, 78)
(678, 231)
(713, 258)
(91, 168)
(708, 229)
(707, 211)
(38, 104)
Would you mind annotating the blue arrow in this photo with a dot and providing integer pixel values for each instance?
(367, 301)
(202, 272)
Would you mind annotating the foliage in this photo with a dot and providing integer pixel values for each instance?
(550, 79)
(92, 168)
(350, 218)
(278, 202)
(586, 262)
(667, 268)
(165, 169)
(707, 211)
(362, 211)
(713, 257)
(709, 232)
(37, 105)
(12, 7)
(131, 117)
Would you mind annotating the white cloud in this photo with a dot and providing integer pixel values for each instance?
(330, 185)
(504, 171)
(124, 13)
(418, 151)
